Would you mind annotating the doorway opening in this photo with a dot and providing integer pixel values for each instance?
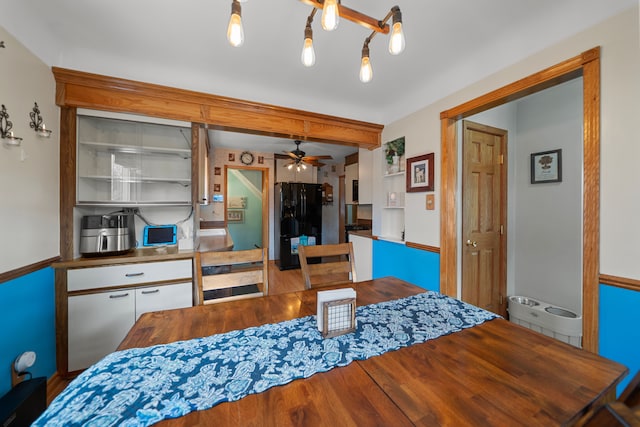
(247, 207)
(586, 65)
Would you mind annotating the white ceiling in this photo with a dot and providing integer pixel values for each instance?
(449, 44)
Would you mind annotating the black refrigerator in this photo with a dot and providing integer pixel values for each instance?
(298, 212)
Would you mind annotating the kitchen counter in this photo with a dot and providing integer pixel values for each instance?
(215, 240)
(165, 253)
(363, 233)
(210, 241)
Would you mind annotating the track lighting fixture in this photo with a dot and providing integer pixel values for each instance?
(308, 54)
(332, 11)
(235, 32)
(366, 71)
(330, 15)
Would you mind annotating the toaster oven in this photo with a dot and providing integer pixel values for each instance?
(111, 234)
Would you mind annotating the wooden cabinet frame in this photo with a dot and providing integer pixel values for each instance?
(75, 89)
(587, 65)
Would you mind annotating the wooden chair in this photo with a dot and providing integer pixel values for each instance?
(624, 412)
(631, 393)
(340, 269)
(231, 275)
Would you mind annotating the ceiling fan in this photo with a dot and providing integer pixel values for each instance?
(299, 159)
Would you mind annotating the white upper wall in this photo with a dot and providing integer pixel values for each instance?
(620, 103)
(29, 189)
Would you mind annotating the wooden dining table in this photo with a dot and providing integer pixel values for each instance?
(494, 374)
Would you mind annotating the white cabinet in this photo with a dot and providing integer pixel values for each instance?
(363, 254)
(167, 297)
(350, 175)
(104, 302)
(97, 325)
(128, 163)
(365, 176)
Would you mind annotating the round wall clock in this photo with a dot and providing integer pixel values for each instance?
(246, 158)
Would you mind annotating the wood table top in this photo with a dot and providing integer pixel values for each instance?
(497, 373)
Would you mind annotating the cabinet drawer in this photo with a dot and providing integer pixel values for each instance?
(166, 297)
(127, 274)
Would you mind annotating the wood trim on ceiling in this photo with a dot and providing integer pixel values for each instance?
(86, 90)
(587, 65)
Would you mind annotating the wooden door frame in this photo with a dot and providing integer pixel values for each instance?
(587, 65)
(502, 269)
(342, 209)
(265, 199)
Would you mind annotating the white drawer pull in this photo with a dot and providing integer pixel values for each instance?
(134, 274)
(155, 291)
(119, 296)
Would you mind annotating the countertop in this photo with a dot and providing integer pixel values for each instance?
(220, 241)
(363, 233)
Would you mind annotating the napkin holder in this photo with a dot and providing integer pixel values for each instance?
(336, 312)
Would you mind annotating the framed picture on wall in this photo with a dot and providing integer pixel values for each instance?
(235, 215)
(546, 166)
(420, 173)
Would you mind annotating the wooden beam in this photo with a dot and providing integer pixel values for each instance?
(85, 90)
(354, 16)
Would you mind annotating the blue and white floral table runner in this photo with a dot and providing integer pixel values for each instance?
(142, 386)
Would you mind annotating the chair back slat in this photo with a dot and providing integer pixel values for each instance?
(337, 264)
(227, 270)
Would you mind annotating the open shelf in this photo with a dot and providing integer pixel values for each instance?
(136, 149)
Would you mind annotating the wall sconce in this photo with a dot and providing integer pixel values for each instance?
(9, 138)
(37, 124)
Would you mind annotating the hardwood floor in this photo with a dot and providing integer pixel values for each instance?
(280, 282)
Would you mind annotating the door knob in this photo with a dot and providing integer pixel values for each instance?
(470, 243)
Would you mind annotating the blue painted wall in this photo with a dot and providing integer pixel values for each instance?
(619, 332)
(27, 316)
(417, 266)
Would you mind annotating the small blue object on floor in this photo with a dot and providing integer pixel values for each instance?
(143, 386)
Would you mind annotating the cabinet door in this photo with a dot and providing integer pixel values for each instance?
(365, 177)
(350, 174)
(166, 297)
(124, 162)
(363, 254)
(97, 325)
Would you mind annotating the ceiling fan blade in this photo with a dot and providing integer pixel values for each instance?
(317, 157)
(290, 154)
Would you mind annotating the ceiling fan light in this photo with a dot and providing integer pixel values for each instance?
(235, 33)
(330, 15)
(290, 166)
(304, 166)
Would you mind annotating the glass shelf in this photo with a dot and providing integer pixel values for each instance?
(122, 162)
(133, 149)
